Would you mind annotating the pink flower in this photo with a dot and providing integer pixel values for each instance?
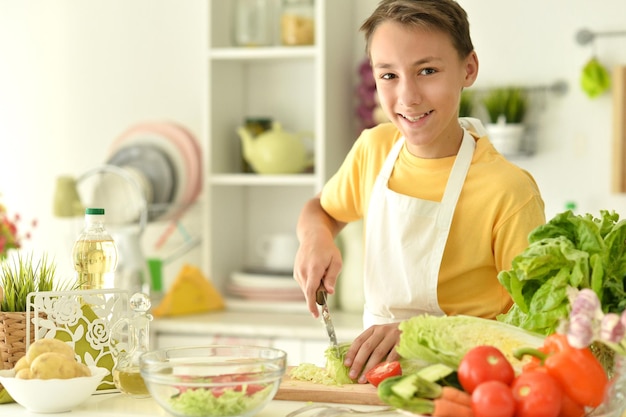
(10, 237)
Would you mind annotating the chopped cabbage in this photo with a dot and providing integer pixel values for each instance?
(204, 402)
(335, 372)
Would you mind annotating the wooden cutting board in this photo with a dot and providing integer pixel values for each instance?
(296, 390)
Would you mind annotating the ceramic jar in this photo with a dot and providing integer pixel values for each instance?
(252, 23)
(297, 22)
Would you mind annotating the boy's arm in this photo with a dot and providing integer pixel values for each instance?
(318, 258)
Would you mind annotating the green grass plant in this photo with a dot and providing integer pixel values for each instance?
(510, 102)
(21, 275)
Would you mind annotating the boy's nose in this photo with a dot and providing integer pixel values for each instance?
(409, 92)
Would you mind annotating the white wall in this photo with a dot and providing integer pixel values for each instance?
(74, 74)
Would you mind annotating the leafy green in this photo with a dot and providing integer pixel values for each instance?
(229, 402)
(335, 372)
(578, 251)
(334, 364)
(446, 339)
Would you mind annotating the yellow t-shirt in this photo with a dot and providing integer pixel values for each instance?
(499, 206)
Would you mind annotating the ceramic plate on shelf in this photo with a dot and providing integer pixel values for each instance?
(271, 294)
(263, 280)
(181, 169)
(170, 140)
(156, 167)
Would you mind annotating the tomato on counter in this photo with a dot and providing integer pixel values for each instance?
(537, 394)
(484, 363)
(383, 371)
(493, 399)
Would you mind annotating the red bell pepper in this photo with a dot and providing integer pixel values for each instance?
(579, 373)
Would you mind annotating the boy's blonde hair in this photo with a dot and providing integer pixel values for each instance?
(444, 15)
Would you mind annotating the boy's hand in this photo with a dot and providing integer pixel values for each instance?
(317, 263)
(376, 344)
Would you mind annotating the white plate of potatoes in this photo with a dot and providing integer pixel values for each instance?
(49, 379)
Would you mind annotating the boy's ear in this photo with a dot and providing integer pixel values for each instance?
(471, 69)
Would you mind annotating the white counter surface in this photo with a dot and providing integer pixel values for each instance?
(119, 405)
(260, 324)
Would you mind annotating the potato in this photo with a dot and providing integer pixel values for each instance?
(22, 363)
(24, 373)
(49, 345)
(82, 369)
(49, 365)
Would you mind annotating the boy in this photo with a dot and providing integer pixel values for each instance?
(444, 211)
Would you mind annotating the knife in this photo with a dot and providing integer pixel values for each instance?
(321, 298)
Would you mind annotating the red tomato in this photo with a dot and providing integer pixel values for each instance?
(493, 399)
(383, 371)
(536, 394)
(484, 363)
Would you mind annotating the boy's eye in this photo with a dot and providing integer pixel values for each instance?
(427, 71)
(387, 76)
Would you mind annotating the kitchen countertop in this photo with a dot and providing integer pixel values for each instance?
(260, 324)
(119, 405)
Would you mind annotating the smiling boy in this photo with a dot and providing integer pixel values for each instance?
(444, 211)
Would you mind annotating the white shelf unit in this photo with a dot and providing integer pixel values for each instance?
(305, 88)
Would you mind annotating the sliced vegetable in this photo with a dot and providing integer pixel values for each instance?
(440, 374)
(418, 395)
(577, 371)
(383, 371)
(493, 399)
(334, 373)
(537, 394)
(484, 363)
(447, 339)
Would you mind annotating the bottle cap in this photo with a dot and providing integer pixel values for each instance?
(96, 211)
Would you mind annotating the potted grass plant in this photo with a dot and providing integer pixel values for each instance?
(20, 275)
(506, 109)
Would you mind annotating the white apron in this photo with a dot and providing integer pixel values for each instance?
(405, 240)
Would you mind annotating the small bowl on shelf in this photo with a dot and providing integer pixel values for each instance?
(52, 395)
(214, 380)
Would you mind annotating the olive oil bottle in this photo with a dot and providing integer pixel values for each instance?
(94, 253)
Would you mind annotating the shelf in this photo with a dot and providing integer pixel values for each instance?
(294, 85)
(257, 179)
(265, 53)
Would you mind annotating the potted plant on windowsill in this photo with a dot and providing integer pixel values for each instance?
(506, 108)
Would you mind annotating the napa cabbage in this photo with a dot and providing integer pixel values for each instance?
(446, 339)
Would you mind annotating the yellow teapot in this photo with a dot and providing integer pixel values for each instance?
(276, 151)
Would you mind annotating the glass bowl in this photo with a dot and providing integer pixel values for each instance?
(213, 381)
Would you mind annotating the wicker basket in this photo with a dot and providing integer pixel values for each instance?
(13, 337)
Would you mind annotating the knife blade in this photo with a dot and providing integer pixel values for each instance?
(322, 300)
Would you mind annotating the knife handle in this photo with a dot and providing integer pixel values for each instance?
(320, 296)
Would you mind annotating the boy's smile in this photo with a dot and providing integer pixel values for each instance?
(419, 78)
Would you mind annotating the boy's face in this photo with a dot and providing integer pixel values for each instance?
(419, 79)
